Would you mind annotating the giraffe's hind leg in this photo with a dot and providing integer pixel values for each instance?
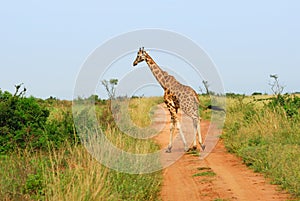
(182, 137)
(197, 129)
(199, 136)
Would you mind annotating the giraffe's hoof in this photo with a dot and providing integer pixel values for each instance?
(194, 148)
(168, 150)
(186, 149)
(203, 147)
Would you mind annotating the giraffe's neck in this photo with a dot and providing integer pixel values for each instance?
(158, 73)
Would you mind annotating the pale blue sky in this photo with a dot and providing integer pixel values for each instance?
(44, 43)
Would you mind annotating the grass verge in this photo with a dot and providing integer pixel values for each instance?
(267, 138)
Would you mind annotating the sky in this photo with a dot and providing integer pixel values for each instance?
(45, 43)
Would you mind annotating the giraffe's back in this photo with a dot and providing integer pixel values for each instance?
(187, 98)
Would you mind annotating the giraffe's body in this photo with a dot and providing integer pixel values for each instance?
(176, 96)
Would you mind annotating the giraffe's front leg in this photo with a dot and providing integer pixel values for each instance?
(172, 111)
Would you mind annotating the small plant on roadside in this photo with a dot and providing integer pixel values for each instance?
(204, 171)
(208, 173)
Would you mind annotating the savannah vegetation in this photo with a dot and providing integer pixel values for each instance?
(42, 158)
(264, 130)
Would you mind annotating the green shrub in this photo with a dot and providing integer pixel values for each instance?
(289, 103)
(27, 122)
(22, 122)
(61, 129)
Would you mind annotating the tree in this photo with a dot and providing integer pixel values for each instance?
(110, 87)
(206, 85)
(276, 88)
(21, 93)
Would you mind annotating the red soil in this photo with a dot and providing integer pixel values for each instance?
(219, 176)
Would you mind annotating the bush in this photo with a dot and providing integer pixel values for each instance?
(289, 103)
(61, 130)
(22, 122)
(256, 94)
(26, 122)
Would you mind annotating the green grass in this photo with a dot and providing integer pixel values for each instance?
(141, 114)
(193, 153)
(204, 171)
(71, 173)
(208, 173)
(266, 138)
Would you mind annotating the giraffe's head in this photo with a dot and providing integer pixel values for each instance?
(141, 56)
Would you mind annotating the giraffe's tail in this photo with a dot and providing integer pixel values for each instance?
(217, 108)
(212, 107)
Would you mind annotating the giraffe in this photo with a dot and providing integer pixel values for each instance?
(176, 95)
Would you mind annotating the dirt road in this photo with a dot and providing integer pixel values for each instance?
(219, 176)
